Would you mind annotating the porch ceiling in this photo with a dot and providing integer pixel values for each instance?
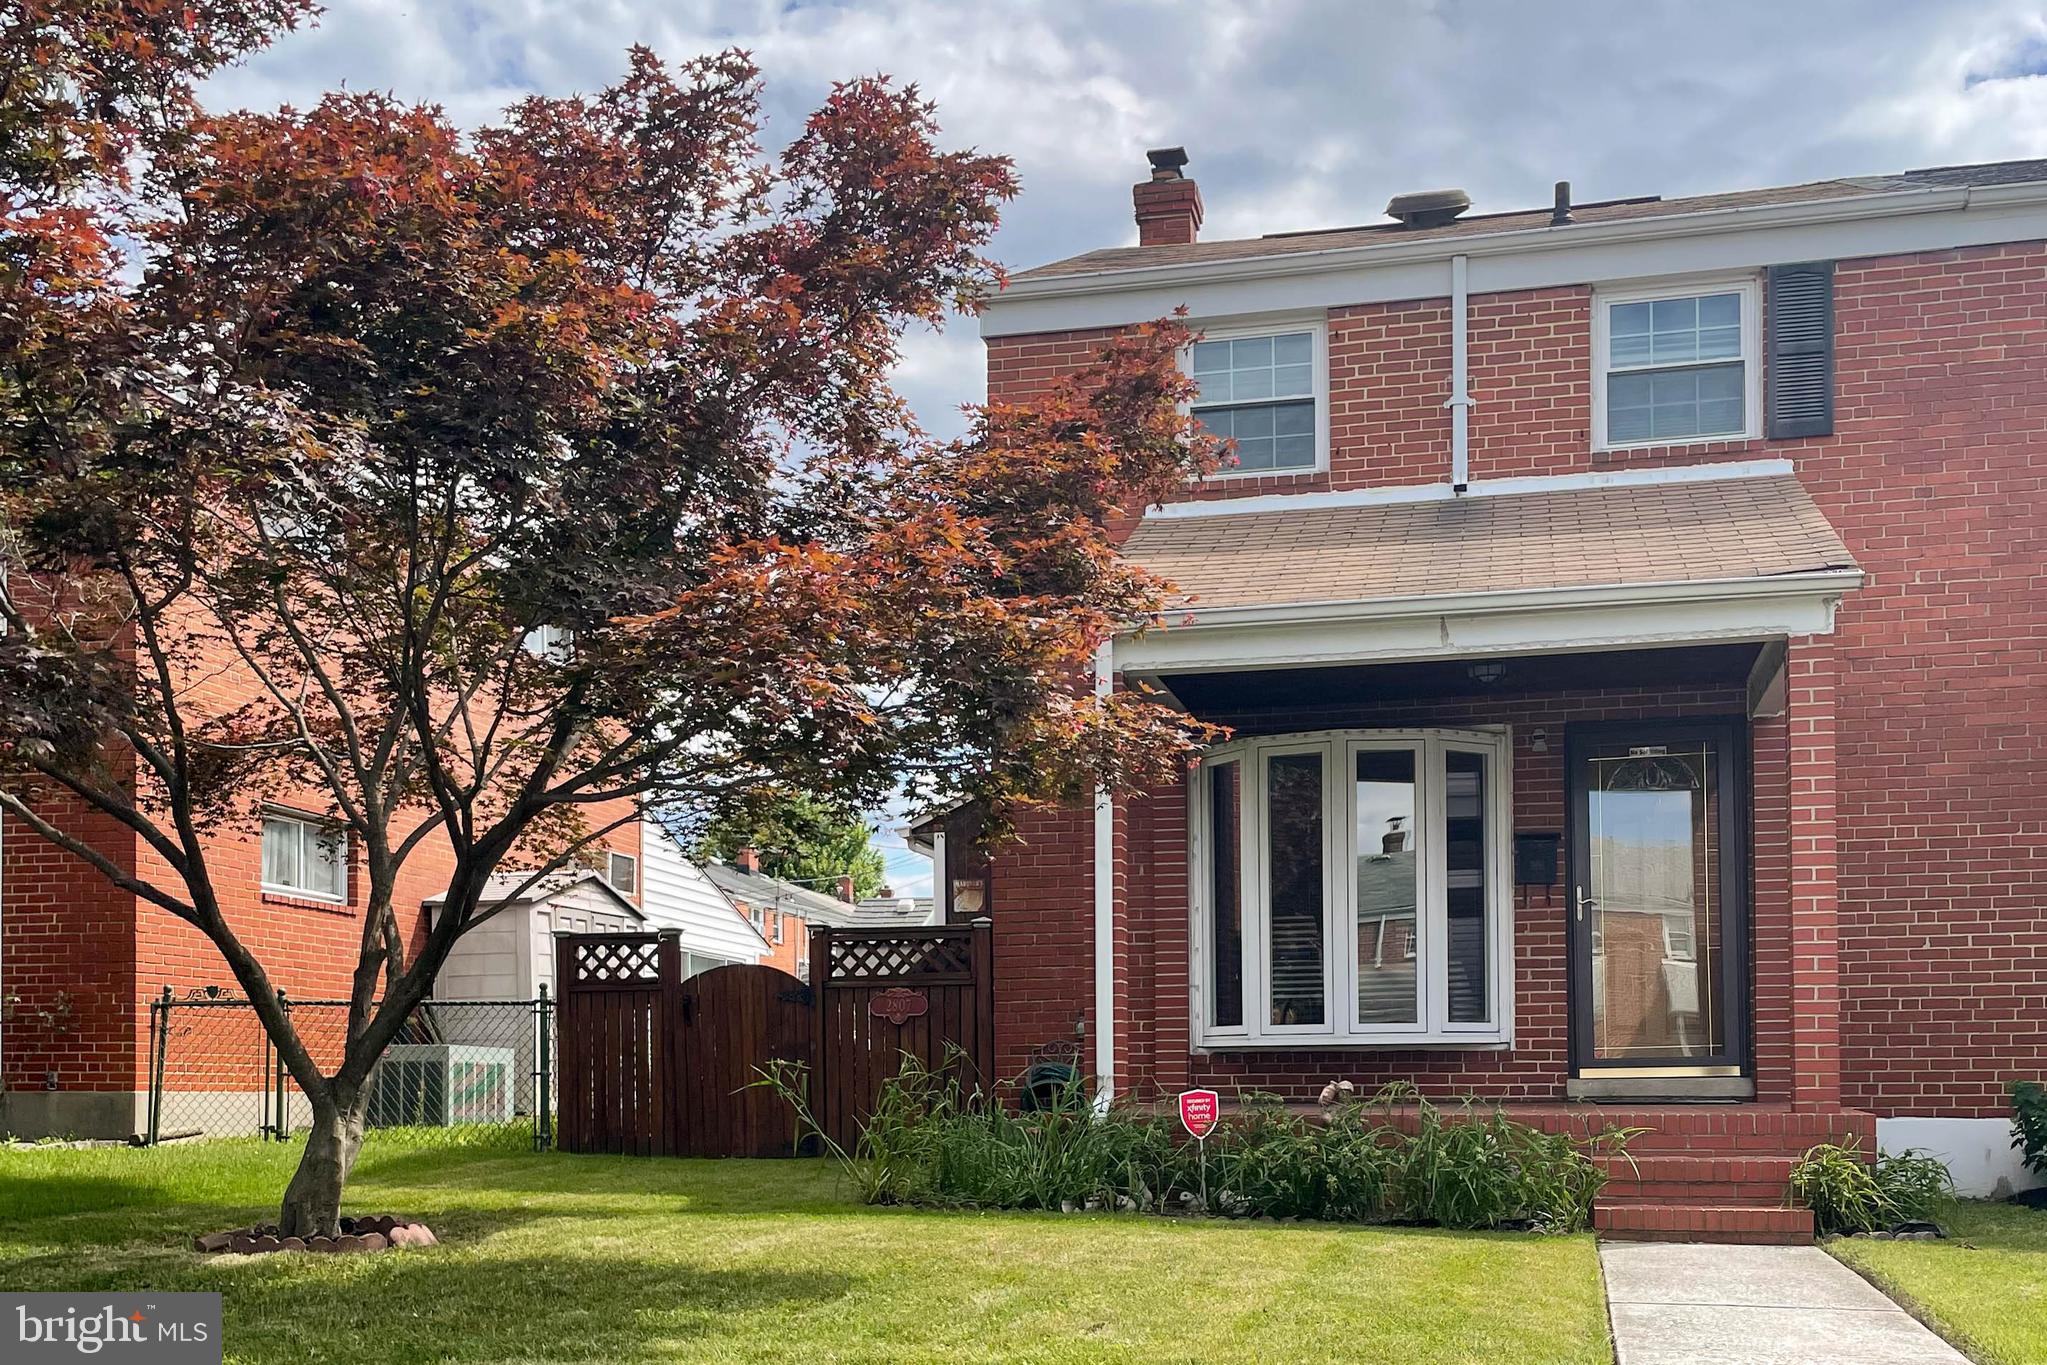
(1717, 530)
(1235, 694)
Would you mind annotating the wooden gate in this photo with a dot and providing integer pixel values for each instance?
(734, 1022)
(653, 1064)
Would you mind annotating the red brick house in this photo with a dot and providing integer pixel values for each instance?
(80, 959)
(1632, 618)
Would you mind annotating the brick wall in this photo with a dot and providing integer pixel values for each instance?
(1935, 479)
(67, 958)
(1044, 935)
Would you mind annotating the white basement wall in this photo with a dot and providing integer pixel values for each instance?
(1978, 1152)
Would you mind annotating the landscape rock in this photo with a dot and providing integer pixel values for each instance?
(213, 1242)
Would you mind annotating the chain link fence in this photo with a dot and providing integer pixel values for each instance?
(462, 1072)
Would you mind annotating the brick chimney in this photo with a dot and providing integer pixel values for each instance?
(846, 889)
(747, 861)
(1168, 204)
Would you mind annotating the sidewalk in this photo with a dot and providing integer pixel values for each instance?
(1684, 1302)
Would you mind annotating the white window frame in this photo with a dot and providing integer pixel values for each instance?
(304, 823)
(611, 862)
(1340, 1028)
(1751, 290)
(1316, 325)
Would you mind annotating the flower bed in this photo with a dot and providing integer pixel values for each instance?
(934, 1142)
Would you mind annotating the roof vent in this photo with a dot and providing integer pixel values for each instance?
(1428, 208)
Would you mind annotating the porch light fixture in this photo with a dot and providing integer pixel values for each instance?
(1487, 673)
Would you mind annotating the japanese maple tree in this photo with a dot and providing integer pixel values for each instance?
(484, 489)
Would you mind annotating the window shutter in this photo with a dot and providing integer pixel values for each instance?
(1799, 359)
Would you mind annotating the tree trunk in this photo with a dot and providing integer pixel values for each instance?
(312, 1202)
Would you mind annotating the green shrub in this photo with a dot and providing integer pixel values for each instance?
(1916, 1183)
(934, 1141)
(1847, 1194)
(2029, 1124)
(1840, 1189)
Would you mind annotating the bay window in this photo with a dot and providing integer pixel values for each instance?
(1352, 888)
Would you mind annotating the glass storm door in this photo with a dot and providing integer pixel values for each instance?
(1657, 897)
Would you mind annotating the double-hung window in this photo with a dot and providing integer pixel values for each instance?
(1264, 390)
(623, 872)
(1675, 365)
(304, 857)
(1352, 887)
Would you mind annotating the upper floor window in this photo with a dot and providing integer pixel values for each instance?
(556, 644)
(1264, 391)
(623, 872)
(1351, 887)
(304, 857)
(1676, 365)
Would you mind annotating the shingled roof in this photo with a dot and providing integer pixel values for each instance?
(1718, 529)
(1536, 220)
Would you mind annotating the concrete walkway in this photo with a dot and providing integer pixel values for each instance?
(1684, 1302)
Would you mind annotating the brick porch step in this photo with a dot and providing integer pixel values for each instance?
(1656, 1178)
(1748, 1224)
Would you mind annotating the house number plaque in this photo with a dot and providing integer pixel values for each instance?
(899, 1005)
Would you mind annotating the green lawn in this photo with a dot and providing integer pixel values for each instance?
(1984, 1289)
(613, 1259)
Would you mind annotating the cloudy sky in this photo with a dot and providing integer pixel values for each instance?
(1296, 114)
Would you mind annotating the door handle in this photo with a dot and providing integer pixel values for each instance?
(1582, 902)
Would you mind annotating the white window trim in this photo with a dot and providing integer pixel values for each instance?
(612, 860)
(1751, 290)
(1316, 325)
(1340, 928)
(315, 822)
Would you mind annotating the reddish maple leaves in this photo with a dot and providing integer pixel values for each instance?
(487, 485)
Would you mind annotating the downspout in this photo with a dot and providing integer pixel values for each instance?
(1105, 908)
(1460, 400)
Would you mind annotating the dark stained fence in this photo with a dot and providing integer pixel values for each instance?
(615, 1092)
(927, 993)
(652, 1064)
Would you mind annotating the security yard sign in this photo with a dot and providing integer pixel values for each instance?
(1199, 1110)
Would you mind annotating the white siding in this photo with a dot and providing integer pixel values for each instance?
(675, 895)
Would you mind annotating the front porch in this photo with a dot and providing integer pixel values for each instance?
(1528, 795)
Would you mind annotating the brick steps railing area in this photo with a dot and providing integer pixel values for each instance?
(1696, 1172)
(1716, 1174)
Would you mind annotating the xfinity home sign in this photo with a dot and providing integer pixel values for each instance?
(162, 1329)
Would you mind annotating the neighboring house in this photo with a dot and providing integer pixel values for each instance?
(890, 911)
(1629, 617)
(84, 959)
(678, 894)
(509, 954)
(782, 912)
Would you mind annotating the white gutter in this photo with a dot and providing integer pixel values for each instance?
(1649, 227)
(1105, 909)
(1459, 401)
(1773, 467)
(1668, 592)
